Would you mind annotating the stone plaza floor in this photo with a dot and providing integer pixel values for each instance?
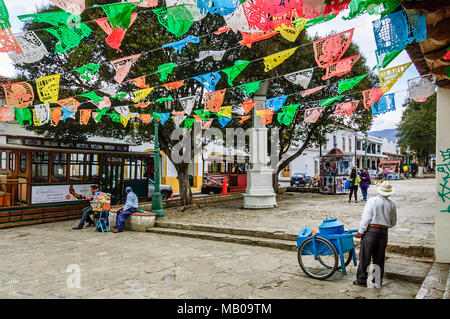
(414, 198)
(34, 259)
(34, 262)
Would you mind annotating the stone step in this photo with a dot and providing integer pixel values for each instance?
(406, 269)
(436, 284)
(231, 238)
(224, 230)
(409, 250)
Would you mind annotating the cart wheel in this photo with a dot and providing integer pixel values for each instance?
(348, 257)
(327, 260)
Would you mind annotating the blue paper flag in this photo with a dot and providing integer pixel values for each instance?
(224, 121)
(162, 116)
(180, 44)
(222, 7)
(276, 103)
(209, 80)
(386, 104)
(66, 113)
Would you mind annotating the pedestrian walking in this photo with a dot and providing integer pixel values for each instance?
(365, 183)
(385, 173)
(379, 214)
(131, 205)
(354, 182)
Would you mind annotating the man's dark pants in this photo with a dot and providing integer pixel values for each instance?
(86, 216)
(373, 245)
(121, 217)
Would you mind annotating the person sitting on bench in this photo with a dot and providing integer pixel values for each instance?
(87, 211)
(130, 207)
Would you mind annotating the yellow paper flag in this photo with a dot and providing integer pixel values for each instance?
(291, 33)
(389, 76)
(225, 111)
(141, 94)
(124, 119)
(276, 59)
(48, 88)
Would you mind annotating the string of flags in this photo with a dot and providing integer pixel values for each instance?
(177, 19)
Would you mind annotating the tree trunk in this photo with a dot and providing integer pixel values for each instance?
(183, 181)
(275, 181)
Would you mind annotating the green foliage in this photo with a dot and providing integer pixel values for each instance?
(417, 128)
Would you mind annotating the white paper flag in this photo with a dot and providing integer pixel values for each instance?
(42, 113)
(302, 77)
(421, 87)
(188, 103)
(178, 120)
(217, 55)
(33, 49)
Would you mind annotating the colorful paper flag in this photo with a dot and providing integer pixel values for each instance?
(346, 109)
(18, 94)
(348, 84)
(389, 76)
(123, 66)
(276, 59)
(312, 114)
(302, 77)
(214, 100)
(330, 49)
(48, 88)
(235, 70)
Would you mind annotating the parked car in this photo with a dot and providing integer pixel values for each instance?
(298, 179)
(165, 190)
(308, 181)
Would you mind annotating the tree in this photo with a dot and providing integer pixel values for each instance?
(417, 128)
(147, 35)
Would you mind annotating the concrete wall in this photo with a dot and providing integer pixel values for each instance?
(442, 215)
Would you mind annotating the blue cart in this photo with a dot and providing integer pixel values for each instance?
(320, 255)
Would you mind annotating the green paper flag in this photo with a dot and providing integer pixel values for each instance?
(286, 116)
(22, 114)
(4, 16)
(330, 100)
(204, 115)
(234, 70)
(88, 70)
(100, 113)
(69, 37)
(385, 59)
(119, 96)
(176, 19)
(163, 99)
(119, 14)
(347, 84)
(188, 123)
(164, 70)
(92, 96)
(115, 117)
(249, 88)
(447, 69)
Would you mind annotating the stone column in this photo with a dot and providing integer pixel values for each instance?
(442, 214)
(259, 192)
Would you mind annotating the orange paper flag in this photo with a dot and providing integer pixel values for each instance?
(55, 115)
(140, 82)
(145, 104)
(173, 85)
(145, 118)
(19, 94)
(266, 115)
(85, 115)
(248, 106)
(244, 118)
(214, 100)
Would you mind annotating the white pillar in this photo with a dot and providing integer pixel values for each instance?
(259, 192)
(442, 214)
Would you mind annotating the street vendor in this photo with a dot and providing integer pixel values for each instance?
(88, 210)
(379, 214)
(131, 205)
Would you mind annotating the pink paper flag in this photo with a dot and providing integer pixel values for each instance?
(371, 96)
(332, 48)
(313, 90)
(341, 67)
(313, 114)
(123, 65)
(346, 109)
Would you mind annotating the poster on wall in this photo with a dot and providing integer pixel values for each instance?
(340, 185)
(46, 194)
(327, 184)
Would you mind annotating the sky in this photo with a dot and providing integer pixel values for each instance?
(363, 36)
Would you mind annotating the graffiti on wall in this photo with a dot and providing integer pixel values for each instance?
(444, 170)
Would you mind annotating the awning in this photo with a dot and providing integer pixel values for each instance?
(391, 161)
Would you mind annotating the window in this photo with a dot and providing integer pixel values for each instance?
(29, 141)
(378, 149)
(39, 166)
(122, 148)
(66, 145)
(82, 145)
(13, 140)
(97, 146)
(334, 141)
(325, 145)
(358, 145)
(23, 163)
(50, 143)
(12, 161)
(343, 143)
(130, 168)
(350, 144)
(59, 167)
(110, 147)
(3, 160)
(76, 167)
(141, 168)
(92, 168)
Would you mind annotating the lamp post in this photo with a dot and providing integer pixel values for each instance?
(407, 160)
(157, 205)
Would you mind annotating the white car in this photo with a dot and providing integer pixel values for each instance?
(165, 190)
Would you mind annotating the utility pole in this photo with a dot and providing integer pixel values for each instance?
(157, 204)
(407, 160)
(365, 144)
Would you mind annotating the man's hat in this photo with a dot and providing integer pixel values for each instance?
(128, 189)
(385, 189)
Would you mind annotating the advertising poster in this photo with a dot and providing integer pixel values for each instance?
(46, 194)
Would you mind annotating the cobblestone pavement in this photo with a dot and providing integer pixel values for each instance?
(34, 260)
(415, 200)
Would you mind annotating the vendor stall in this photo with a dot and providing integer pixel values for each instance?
(392, 165)
(335, 168)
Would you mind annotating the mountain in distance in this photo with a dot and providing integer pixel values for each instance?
(389, 134)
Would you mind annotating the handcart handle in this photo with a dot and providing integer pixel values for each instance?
(351, 231)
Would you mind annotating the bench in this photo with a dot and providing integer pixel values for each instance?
(135, 222)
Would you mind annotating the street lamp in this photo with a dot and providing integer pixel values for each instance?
(157, 204)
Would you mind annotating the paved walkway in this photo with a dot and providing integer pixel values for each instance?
(34, 260)
(415, 200)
